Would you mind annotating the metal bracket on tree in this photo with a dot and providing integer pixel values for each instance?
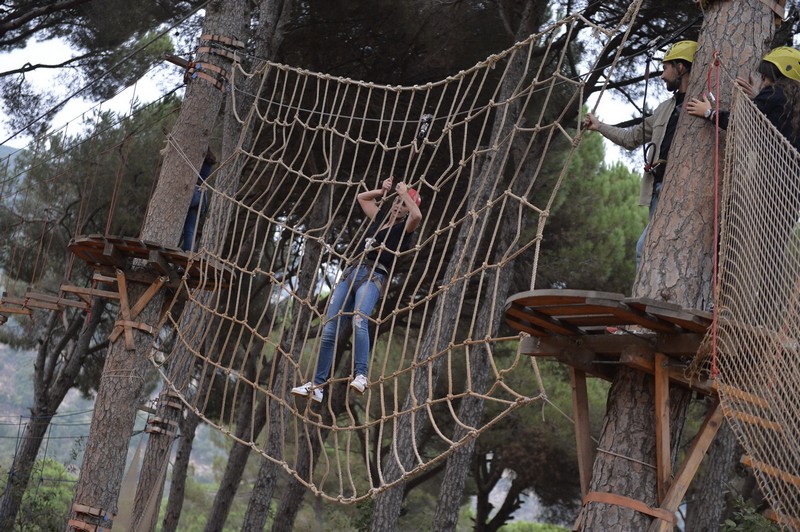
(100, 519)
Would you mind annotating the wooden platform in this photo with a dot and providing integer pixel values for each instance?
(595, 333)
(107, 254)
(582, 312)
(577, 328)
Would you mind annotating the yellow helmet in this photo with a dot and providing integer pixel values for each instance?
(681, 50)
(787, 60)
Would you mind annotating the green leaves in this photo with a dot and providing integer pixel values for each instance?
(591, 238)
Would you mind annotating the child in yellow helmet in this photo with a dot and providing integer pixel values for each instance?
(777, 97)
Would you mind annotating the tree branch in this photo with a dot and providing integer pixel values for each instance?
(19, 17)
(28, 67)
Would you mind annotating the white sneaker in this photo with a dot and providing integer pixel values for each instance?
(359, 384)
(308, 390)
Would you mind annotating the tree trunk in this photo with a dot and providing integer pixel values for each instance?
(511, 504)
(676, 267)
(50, 388)
(470, 411)
(20, 473)
(180, 468)
(709, 501)
(123, 375)
(151, 478)
(292, 497)
(388, 503)
(281, 380)
(237, 460)
(487, 475)
(629, 433)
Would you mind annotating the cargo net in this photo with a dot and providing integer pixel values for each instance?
(439, 372)
(758, 311)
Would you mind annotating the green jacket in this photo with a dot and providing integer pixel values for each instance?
(652, 129)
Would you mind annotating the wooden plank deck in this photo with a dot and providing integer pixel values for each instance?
(106, 254)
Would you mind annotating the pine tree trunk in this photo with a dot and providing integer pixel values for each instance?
(388, 503)
(123, 375)
(152, 475)
(50, 388)
(180, 469)
(708, 504)
(237, 460)
(281, 381)
(676, 267)
(20, 473)
(293, 494)
(470, 411)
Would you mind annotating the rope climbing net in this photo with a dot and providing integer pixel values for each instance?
(758, 317)
(439, 374)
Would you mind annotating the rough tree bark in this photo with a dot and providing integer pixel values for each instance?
(273, 15)
(470, 411)
(388, 503)
(123, 375)
(237, 460)
(676, 267)
(58, 363)
(292, 498)
(255, 517)
(177, 488)
(706, 509)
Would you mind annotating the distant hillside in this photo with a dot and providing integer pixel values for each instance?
(69, 429)
(5, 151)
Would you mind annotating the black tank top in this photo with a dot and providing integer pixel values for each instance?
(379, 242)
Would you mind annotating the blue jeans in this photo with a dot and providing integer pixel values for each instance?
(196, 209)
(640, 243)
(355, 295)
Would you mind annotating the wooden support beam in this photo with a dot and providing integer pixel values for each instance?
(22, 302)
(160, 264)
(112, 255)
(540, 319)
(584, 353)
(663, 454)
(676, 345)
(100, 278)
(29, 303)
(646, 363)
(125, 311)
(583, 435)
(89, 292)
(524, 326)
(574, 356)
(683, 478)
(14, 310)
(47, 300)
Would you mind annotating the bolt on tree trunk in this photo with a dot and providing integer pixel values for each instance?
(677, 265)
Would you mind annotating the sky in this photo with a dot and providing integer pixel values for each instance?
(55, 51)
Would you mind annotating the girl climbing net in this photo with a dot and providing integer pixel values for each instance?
(362, 282)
